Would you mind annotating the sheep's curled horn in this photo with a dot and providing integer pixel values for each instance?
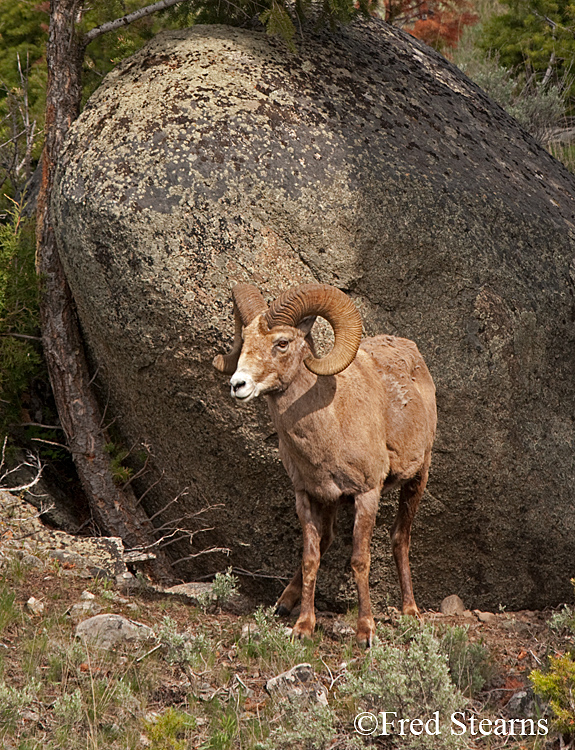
(248, 302)
(290, 308)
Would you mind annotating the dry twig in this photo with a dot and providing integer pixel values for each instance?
(32, 461)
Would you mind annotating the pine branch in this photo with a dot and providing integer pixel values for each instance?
(126, 20)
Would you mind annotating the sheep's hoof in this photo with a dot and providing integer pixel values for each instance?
(363, 640)
(364, 637)
(282, 610)
(303, 630)
(365, 631)
(410, 609)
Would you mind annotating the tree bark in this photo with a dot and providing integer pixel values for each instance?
(115, 511)
(128, 19)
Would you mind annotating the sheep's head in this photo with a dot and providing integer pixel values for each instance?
(270, 343)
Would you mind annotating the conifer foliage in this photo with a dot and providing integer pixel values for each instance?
(282, 18)
(538, 37)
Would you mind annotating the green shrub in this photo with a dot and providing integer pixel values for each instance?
(565, 619)
(557, 684)
(68, 711)
(185, 649)
(224, 727)
(271, 645)
(64, 659)
(20, 358)
(278, 16)
(120, 473)
(171, 730)
(558, 687)
(12, 702)
(533, 36)
(309, 728)
(564, 152)
(410, 676)
(469, 663)
(224, 587)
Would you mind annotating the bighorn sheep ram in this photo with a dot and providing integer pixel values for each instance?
(359, 421)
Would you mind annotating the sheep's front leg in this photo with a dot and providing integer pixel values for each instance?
(292, 593)
(365, 513)
(309, 514)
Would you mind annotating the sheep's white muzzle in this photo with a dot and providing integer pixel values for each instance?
(243, 387)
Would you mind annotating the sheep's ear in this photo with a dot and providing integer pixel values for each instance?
(307, 324)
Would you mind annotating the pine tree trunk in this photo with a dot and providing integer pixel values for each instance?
(115, 511)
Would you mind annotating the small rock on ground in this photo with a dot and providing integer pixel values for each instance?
(487, 617)
(32, 561)
(342, 630)
(298, 682)
(452, 605)
(83, 609)
(524, 703)
(34, 606)
(250, 632)
(190, 590)
(127, 583)
(107, 631)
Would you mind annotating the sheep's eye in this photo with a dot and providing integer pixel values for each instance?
(282, 344)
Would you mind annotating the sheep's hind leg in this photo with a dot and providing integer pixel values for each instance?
(290, 596)
(365, 513)
(409, 499)
(292, 593)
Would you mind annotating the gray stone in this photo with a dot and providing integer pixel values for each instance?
(32, 561)
(127, 583)
(34, 606)
(83, 557)
(366, 161)
(294, 678)
(525, 704)
(83, 609)
(452, 605)
(68, 558)
(319, 694)
(342, 629)
(251, 632)
(191, 590)
(298, 683)
(489, 618)
(101, 557)
(108, 631)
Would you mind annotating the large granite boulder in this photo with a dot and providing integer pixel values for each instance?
(367, 161)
